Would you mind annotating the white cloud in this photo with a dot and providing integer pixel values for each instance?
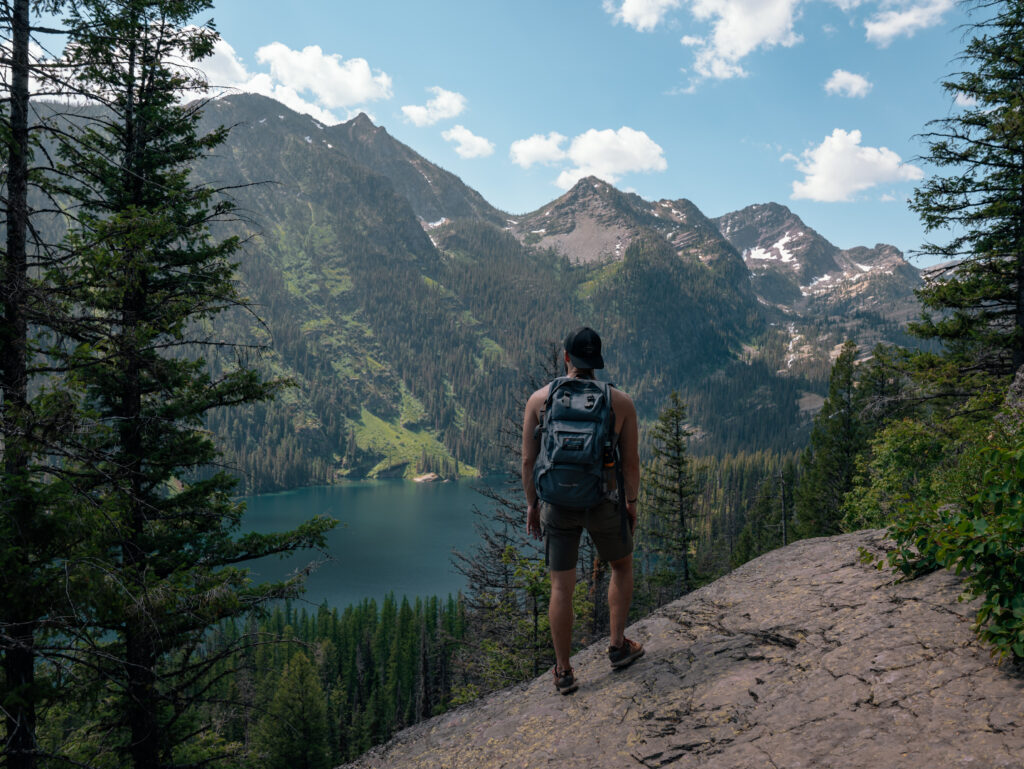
(642, 15)
(263, 84)
(468, 145)
(336, 82)
(307, 81)
(740, 27)
(445, 104)
(840, 167)
(848, 84)
(223, 68)
(538, 149)
(226, 73)
(904, 19)
(609, 154)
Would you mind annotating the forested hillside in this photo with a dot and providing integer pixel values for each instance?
(408, 336)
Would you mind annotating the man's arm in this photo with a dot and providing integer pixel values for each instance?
(531, 447)
(629, 452)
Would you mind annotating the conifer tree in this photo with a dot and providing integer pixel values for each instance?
(829, 461)
(668, 526)
(975, 303)
(18, 522)
(293, 733)
(33, 415)
(758, 535)
(162, 562)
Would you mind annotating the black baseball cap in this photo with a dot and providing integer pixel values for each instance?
(584, 348)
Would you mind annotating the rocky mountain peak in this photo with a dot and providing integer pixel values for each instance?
(589, 186)
(771, 237)
(792, 265)
(745, 228)
(362, 122)
(594, 221)
(591, 222)
(803, 657)
(589, 193)
(362, 129)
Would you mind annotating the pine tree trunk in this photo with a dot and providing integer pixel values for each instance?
(19, 673)
(19, 654)
(142, 697)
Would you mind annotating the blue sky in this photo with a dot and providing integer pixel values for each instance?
(812, 104)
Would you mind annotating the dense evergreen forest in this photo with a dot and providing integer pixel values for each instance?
(132, 634)
(335, 682)
(405, 347)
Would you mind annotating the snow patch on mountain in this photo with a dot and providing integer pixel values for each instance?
(780, 246)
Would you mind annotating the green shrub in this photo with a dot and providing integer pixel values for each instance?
(983, 541)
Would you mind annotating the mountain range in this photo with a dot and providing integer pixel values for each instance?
(412, 316)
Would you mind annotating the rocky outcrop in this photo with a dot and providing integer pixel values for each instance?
(805, 657)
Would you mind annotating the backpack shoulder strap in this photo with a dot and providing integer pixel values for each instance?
(552, 386)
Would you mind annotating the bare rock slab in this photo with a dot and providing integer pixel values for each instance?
(804, 657)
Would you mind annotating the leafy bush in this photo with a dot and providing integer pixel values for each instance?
(915, 462)
(983, 541)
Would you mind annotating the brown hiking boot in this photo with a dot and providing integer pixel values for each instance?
(626, 654)
(565, 681)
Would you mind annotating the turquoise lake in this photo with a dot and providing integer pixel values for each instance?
(392, 536)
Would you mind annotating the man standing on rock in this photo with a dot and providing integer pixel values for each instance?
(605, 520)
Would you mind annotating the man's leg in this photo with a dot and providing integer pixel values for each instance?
(560, 616)
(620, 594)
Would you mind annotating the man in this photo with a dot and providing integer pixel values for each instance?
(562, 528)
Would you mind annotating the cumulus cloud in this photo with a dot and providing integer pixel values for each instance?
(904, 19)
(224, 68)
(336, 82)
(848, 84)
(445, 104)
(467, 144)
(546, 150)
(840, 167)
(642, 15)
(609, 154)
(307, 81)
(738, 28)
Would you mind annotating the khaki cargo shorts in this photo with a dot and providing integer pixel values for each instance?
(562, 530)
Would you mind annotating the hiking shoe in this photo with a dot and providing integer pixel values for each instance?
(565, 681)
(626, 654)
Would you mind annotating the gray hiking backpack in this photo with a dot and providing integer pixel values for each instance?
(577, 444)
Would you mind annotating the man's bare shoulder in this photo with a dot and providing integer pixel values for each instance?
(621, 402)
(536, 401)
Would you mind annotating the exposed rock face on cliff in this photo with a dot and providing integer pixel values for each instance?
(804, 657)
